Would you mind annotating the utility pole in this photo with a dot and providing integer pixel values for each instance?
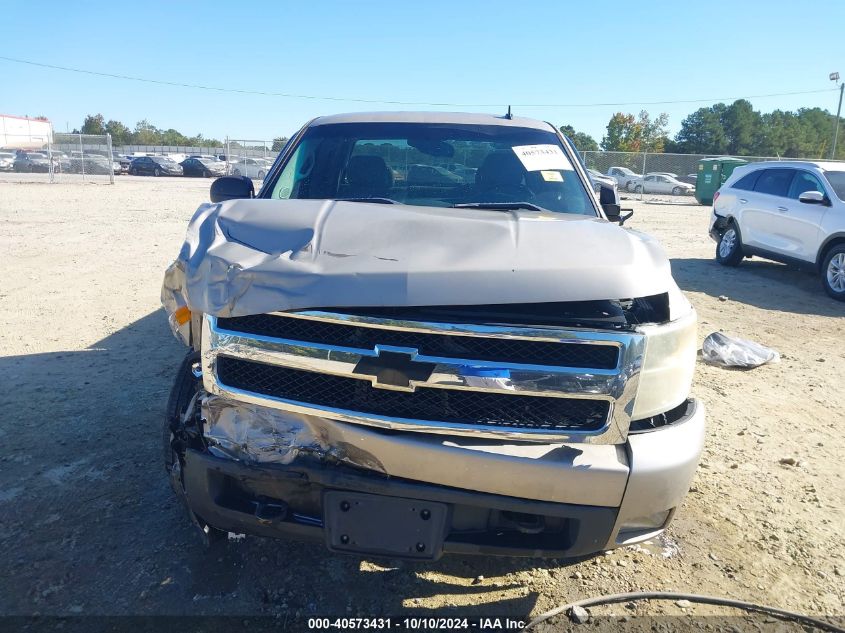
(835, 77)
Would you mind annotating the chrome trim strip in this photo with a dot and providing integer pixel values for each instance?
(530, 333)
(618, 386)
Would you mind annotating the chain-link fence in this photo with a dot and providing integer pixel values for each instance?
(59, 157)
(250, 158)
(85, 157)
(652, 177)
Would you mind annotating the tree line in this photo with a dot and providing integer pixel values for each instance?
(145, 133)
(736, 129)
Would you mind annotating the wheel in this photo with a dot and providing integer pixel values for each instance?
(206, 174)
(629, 187)
(729, 248)
(261, 175)
(157, 172)
(638, 189)
(833, 272)
(676, 191)
(175, 440)
(236, 172)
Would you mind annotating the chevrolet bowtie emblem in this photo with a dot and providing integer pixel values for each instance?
(394, 370)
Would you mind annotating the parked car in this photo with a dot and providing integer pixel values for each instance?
(61, 161)
(203, 167)
(155, 166)
(786, 211)
(122, 162)
(250, 167)
(31, 162)
(96, 164)
(431, 175)
(508, 374)
(7, 161)
(659, 183)
(690, 179)
(623, 176)
(600, 179)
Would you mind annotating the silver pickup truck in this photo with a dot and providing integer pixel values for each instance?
(480, 361)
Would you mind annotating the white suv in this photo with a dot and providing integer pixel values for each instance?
(788, 211)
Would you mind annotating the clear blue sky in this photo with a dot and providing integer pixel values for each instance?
(488, 52)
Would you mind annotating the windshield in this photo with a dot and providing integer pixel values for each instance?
(438, 165)
(837, 182)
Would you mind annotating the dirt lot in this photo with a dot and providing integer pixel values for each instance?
(88, 523)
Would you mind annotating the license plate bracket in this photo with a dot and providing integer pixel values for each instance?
(387, 526)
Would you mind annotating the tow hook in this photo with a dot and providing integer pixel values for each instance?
(268, 512)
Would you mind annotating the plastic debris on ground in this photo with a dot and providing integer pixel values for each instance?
(729, 351)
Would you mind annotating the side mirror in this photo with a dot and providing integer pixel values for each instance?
(607, 195)
(614, 213)
(813, 197)
(232, 188)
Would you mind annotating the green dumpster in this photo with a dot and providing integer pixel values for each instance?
(712, 174)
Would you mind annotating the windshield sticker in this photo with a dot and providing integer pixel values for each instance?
(552, 176)
(540, 157)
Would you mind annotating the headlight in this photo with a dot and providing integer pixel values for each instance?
(668, 364)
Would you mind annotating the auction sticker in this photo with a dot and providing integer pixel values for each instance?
(552, 176)
(542, 157)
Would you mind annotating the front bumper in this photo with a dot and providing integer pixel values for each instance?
(502, 499)
(718, 224)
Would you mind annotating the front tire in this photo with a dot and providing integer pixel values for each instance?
(676, 191)
(261, 175)
(157, 172)
(729, 248)
(638, 189)
(833, 272)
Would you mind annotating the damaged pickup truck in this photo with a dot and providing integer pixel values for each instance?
(426, 334)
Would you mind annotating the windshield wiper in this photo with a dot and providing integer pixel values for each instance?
(375, 200)
(503, 206)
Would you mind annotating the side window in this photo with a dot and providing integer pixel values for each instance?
(747, 182)
(774, 182)
(297, 170)
(804, 181)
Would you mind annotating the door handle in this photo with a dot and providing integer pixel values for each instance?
(743, 200)
(783, 209)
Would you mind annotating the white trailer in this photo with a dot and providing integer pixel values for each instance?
(20, 132)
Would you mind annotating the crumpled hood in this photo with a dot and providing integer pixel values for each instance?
(254, 256)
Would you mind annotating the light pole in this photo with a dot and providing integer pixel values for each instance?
(835, 77)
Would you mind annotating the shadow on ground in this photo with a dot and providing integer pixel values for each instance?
(757, 282)
(90, 525)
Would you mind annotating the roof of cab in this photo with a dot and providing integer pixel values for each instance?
(457, 118)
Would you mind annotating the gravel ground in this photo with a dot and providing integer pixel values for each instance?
(89, 525)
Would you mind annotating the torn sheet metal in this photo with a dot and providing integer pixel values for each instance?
(260, 435)
(255, 256)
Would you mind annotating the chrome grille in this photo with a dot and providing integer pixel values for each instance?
(467, 408)
(524, 383)
(454, 346)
